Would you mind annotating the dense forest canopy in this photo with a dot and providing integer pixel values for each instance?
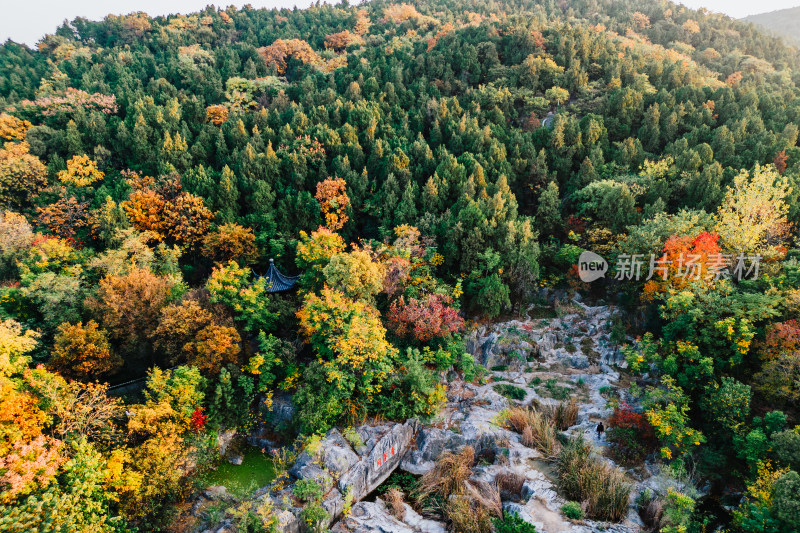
(416, 165)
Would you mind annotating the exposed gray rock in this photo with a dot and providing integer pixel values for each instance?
(385, 453)
(431, 443)
(281, 412)
(371, 517)
(224, 440)
(337, 455)
(374, 517)
(422, 525)
(216, 492)
(519, 510)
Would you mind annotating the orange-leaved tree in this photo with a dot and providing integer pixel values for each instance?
(333, 202)
(276, 54)
(231, 242)
(162, 207)
(83, 351)
(129, 306)
(686, 261)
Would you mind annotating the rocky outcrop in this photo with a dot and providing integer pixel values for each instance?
(384, 449)
(374, 517)
(342, 470)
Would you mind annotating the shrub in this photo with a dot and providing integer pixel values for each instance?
(572, 510)
(413, 390)
(315, 516)
(586, 478)
(630, 434)
(536, 429)
(554, 390)
(511, 392)
(564, 414)
(402, 481)
(307, 490)
(512, 523)
(353, 437)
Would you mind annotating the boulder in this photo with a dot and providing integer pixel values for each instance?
(216, 492)
(374, 517)
(224, 440)
(371, 517)
(385, 454)
(337, 455)
(431, 443)
(519, 510)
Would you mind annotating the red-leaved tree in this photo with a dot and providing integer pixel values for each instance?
(424, 319)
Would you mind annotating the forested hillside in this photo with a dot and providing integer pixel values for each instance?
(783, 22)
(424, 169)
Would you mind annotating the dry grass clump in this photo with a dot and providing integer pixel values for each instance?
(517, 418)
(466, 516)
(602, 490)
(537, 429)
(394, 500)
(509, 484)
(450, 474)
(564, 414)
(468, 505)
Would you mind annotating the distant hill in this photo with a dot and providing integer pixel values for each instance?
(784, 23)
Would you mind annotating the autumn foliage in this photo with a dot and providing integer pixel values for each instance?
(423, 320)
(341, 40)
(65, 217)
(217, 114)
(276, 54)
(214, 347)
(129, 306)
(685, 261)
(83, 351)
(81, 171)
(231, 242)
(12, 128)
(163, 208)
(399, 13)
(22, 175)
(349, 340)
(333, 202)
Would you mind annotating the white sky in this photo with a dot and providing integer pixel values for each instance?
(27, 21)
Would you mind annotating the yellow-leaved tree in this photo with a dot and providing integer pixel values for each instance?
(354, 358)
(81, 171)
(752, 217)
